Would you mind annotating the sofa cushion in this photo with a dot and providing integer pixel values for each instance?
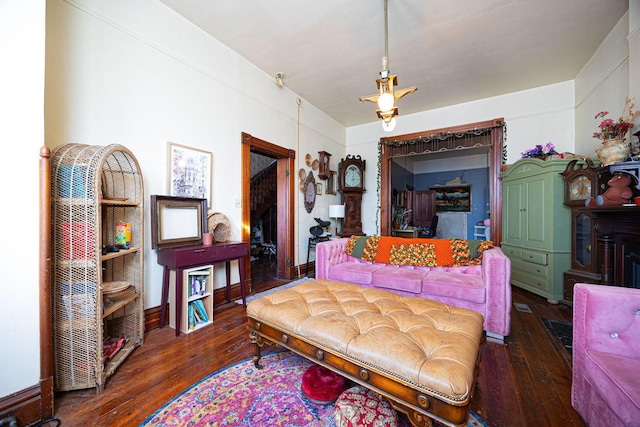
(359, 273)
(617, 379)
(406, 279)
(459, 282)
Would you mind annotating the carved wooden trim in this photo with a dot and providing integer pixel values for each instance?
(286, 216)
(496, 136)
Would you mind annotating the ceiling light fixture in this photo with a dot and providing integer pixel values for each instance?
(387, 94)
(279, 77)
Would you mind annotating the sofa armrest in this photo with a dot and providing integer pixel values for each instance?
(329, 253)
(607, 319)
(496, 274)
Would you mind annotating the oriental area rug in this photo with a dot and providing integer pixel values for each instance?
(241, 395)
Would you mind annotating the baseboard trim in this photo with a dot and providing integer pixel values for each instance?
(26, 406)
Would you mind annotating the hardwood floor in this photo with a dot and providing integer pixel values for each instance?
(524, 382)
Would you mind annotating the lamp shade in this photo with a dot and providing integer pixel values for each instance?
(336, 211)
(389, 126)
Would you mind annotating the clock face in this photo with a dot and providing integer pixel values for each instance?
(580, 188)
(352, 176)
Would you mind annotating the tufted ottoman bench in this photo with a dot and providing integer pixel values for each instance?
(421, 355)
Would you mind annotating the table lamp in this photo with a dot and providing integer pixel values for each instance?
(336, 212)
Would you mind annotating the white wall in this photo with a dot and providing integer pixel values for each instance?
(534, 116)
(138, 74)
(22, 44)
(602, 85)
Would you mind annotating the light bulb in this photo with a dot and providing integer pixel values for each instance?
(385, 102)
(389, 127)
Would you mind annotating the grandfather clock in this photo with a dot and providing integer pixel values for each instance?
(351, 182)
(581, 183)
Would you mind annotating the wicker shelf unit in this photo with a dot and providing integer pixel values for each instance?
(97, 297)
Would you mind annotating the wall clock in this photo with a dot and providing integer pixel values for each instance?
(309, 192)
(324, 169)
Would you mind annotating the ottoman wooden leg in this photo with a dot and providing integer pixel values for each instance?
(256, 342)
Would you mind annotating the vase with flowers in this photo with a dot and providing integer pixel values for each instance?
(612, 134)
(541, 152)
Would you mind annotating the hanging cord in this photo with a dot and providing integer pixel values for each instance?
(297, 215)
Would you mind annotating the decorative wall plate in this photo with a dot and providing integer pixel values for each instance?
(302, 174)
(308, 159)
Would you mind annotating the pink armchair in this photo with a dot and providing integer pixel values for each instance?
(606, 355)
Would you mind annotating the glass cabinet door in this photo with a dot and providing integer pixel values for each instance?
(583, 240)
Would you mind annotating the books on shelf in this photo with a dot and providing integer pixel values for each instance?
(197, 314)
(198, 282)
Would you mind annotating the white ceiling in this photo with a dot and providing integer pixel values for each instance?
(454, 51)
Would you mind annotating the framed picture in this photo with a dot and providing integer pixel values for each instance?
(309, 191)
(319, 189)
(189, 173)
(177, 221)
(332, 183)
(453, 198)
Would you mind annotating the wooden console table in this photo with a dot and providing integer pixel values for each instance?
(185, 257)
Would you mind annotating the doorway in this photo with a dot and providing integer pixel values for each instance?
(439, 142)
(284, 206)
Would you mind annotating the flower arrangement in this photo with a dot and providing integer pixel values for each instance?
(540, 152)
(610, 129)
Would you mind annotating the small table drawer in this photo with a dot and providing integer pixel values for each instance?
(199, 255)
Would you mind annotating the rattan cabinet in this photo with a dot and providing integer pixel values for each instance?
(97, 295)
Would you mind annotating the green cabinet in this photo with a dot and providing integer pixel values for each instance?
(536, 226)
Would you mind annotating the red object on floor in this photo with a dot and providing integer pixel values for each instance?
(321, 385)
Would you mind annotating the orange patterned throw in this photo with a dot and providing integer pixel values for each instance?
(418, 252)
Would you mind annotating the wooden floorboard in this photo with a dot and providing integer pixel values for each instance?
(524, 382)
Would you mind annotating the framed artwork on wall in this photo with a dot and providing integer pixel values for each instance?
(309, 191)
(189, 172)
(319, 189)
(453, 198)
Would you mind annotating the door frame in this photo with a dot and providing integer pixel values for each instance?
(495, 167)
(285, 159)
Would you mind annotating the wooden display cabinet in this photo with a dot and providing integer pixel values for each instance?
(581, 182)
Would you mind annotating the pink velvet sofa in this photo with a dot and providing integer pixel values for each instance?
(606, 355)
(484, 288)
